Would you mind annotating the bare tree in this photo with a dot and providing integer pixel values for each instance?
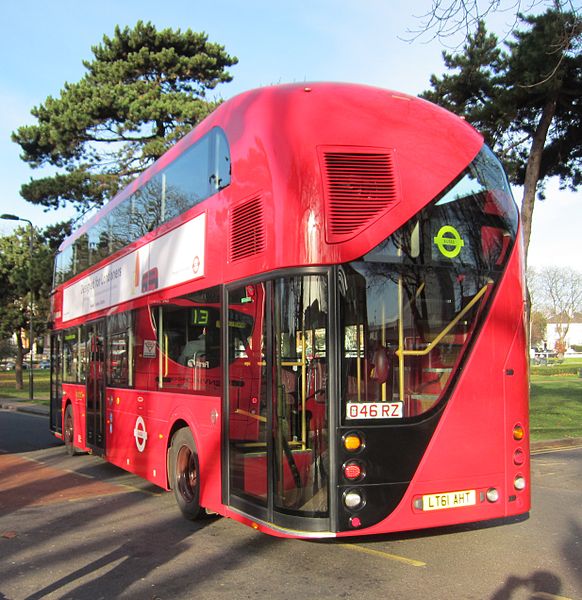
(557, 291)
(448, 19)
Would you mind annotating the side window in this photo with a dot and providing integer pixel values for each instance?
(188, 331)
(220, 177)
(186, 181)
(143, 210)
(100, 241)
(120, 347)
(64, 266)
(193, 335)
(81, 253)
(74, 353)
(70, 355)
(201, 171)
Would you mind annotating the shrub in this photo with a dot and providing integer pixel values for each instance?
(554, 370)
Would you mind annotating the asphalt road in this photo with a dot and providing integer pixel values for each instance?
(77, 527)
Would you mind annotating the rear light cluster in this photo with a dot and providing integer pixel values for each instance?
(354, 471)
(519, 482)
(519, 457)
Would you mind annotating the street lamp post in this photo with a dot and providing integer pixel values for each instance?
(31, 308)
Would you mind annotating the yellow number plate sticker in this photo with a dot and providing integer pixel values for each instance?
(449, 500)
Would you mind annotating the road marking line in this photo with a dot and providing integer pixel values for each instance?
(556, 449)
(546, 596)
(402, 559)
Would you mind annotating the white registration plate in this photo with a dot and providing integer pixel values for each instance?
(374, 410)
(449, 500)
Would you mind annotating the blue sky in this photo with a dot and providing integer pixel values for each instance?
(42, 45)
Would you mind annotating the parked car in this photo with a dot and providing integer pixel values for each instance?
(44, 364)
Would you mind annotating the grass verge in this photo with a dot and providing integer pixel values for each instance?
(555, 407)
(41, 386)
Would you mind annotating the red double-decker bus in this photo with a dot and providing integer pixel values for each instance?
(307, 316)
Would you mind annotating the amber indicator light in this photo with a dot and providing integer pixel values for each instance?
(352, 442)
(518, 432)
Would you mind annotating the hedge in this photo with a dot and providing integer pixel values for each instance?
(554, 370)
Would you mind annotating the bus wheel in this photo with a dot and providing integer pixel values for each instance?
(69, 431)
(184, 473)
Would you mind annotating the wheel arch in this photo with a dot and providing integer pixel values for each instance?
(66, 403)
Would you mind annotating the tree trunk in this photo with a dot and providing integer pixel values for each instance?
(532, 170)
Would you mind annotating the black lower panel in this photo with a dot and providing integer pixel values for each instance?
(389, 458)
(380, 501)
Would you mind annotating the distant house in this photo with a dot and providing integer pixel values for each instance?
(574, 335)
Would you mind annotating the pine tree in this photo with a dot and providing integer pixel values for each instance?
(143, 90)
(526, 100)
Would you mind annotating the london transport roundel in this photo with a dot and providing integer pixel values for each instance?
(140, 434)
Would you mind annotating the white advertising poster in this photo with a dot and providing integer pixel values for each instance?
(176, 257)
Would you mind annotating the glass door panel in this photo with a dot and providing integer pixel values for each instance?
(95, 409)
(247, 394)
(56, 416)
(278, 400)
(300, 450)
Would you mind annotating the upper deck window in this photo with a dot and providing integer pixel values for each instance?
(199, 172)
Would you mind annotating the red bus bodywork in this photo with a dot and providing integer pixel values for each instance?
(279, 139)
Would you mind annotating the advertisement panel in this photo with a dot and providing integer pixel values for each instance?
(174, 258)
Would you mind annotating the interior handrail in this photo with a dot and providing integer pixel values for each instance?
(443, 333)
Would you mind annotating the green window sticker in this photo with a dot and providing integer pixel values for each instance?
(449, 241)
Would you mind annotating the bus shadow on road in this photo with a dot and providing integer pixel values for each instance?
(27, 483)
(99, 469)
(115, 544)
(540, 584)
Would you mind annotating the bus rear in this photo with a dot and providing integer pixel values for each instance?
(434, 372)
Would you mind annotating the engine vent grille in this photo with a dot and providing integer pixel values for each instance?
(359, 186)
(247, 229)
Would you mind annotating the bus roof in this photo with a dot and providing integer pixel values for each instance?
(283, 112)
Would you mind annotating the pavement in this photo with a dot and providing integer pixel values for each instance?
(537, 447)
(24, 406)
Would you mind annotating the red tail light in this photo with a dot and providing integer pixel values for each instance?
(518, 457)
(353, 471)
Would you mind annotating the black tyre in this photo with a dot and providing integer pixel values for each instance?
(184, 474)
(69, 431)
